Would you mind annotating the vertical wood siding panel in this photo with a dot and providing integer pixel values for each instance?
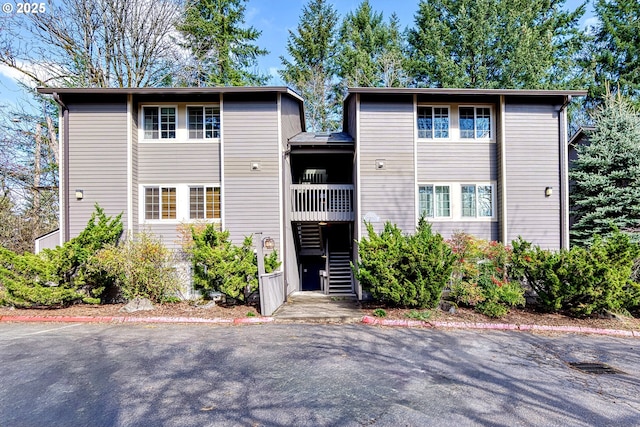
(251, 197)
(291, 118)
(532, 151)
(134, 167)
(386, 132)
(97, 161)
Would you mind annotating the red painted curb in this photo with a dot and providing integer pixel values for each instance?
(500, 326)
(58, 319)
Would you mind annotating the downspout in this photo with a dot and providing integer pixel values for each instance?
(65, 230)
(564, 175)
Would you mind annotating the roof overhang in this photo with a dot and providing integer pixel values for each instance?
(580, 134)
(170, 90)
(321, 140)
(458, 91)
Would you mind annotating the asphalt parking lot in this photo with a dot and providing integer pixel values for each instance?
(310, 375)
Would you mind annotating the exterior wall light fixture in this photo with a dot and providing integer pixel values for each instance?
(79, 194)
(548, 191)
(268, 243)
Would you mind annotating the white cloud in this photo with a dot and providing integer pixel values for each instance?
(11, 73)
(40, 70)
(591, 22)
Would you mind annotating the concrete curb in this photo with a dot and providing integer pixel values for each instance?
(497, 326)
(366, 320)
(125, 319)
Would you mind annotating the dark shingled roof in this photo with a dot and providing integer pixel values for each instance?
(321, 138)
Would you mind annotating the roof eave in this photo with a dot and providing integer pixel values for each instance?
(462, 91)
(170, 90)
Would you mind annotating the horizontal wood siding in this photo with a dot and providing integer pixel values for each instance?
(97, 161)
(167, 233)
(488, 230)
(178, 163)
(532, 151)
(386, 133)
(250, 132)
(457, 161)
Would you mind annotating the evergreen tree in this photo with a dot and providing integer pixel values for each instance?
(370, 50)
(606, 174)
(616, 48)
(495, 44)
(222, 49)
(310, 69)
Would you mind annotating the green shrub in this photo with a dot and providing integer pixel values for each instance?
(379, 312)
(57, 277)
(218, 265)
(141, 267)
(69, 260)
(480, 276)
(419, 315)
(581, 281)
(404, 270)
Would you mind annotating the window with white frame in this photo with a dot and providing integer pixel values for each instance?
(435, 201)
(203, 122)
(160, 203)
(204, 202)
(477, 200)
(159, 122)
(475, 122)
(433, 122)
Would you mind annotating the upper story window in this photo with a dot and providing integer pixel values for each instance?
(204, 202)
(159, 122)
(477, 201)
(203, 122)
(160, 203)
(433, 122)
(435, 201)
(475, 122)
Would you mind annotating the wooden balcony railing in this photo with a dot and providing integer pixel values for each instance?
(322, 202)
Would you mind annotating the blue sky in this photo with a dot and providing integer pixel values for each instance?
(275, 19)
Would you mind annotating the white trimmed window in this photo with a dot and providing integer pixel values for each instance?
(160, 203)
(159, 122)
(477, 200)
(475, 122)
(203, 122)
(204, 202)
(435, 201)
(433, 122)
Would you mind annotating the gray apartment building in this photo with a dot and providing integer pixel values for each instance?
(490, 162)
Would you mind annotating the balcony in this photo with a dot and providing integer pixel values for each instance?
(322, 202)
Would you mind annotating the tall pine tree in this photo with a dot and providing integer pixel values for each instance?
(222, 48)
(370, 50)
(606, 174)
(616, 48)
(310, 70)
(495, 44)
